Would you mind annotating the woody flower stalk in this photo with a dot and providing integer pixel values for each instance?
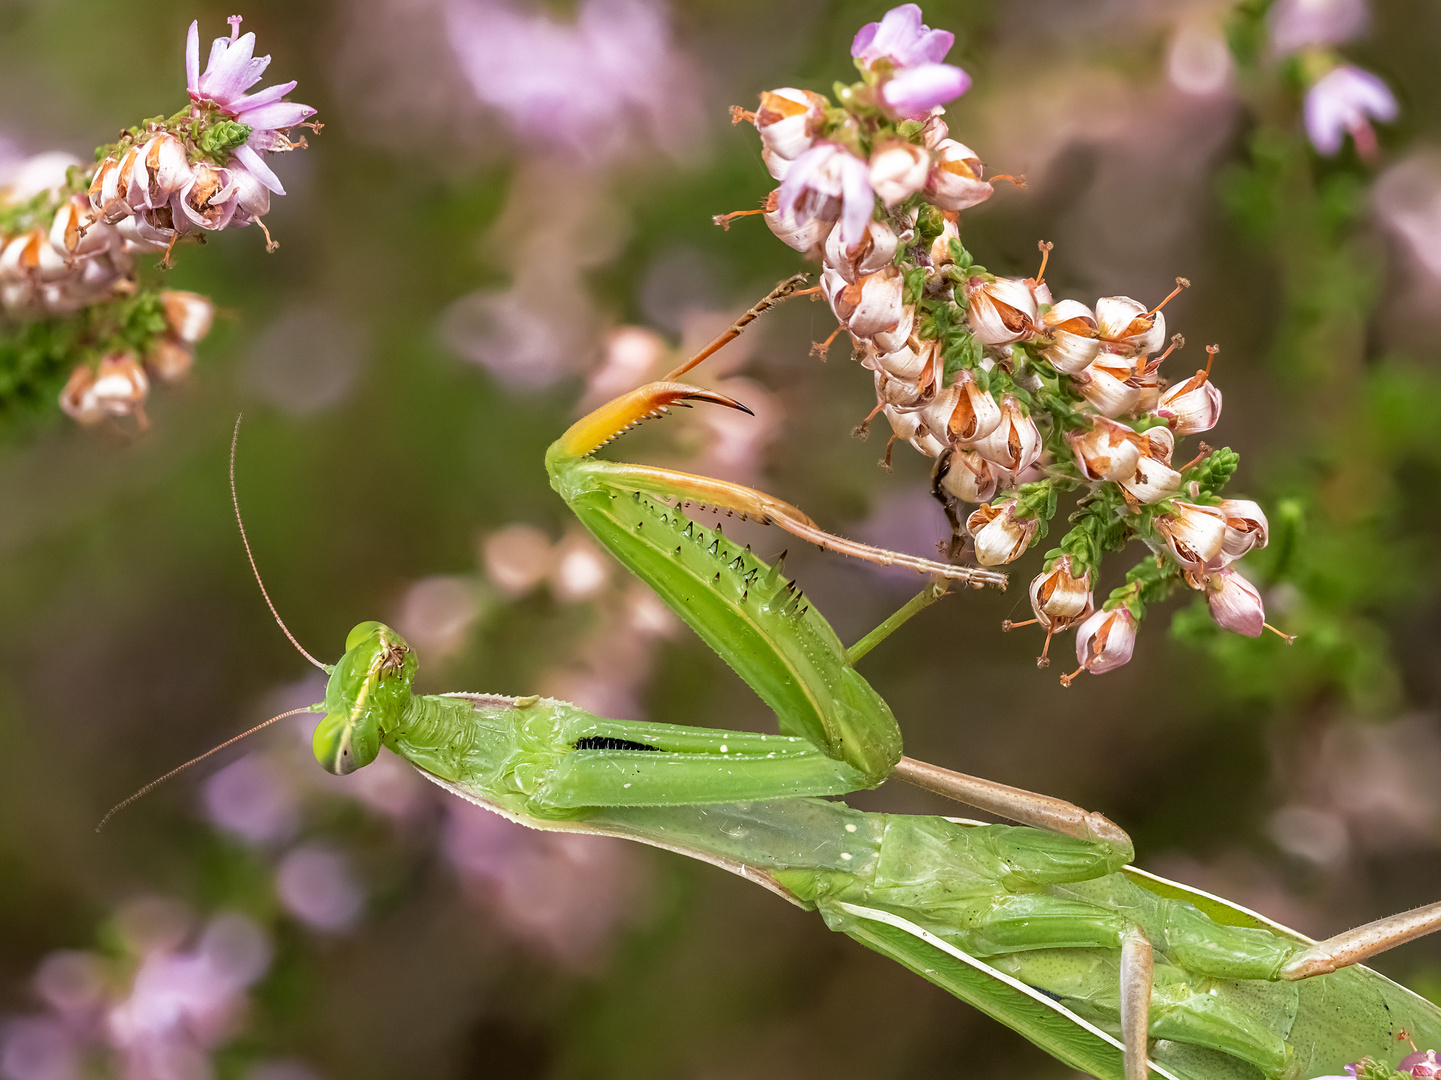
(71, 238)
(1018, 397)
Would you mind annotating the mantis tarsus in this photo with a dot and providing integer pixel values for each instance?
(1044, 926)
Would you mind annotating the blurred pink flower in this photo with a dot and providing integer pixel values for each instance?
(902, 38)
(180, 1005)
(317, 887)
(564, 893)
(1297, 24)
(1344, 101)
(252, 799)
(39, 1048)
(232, 69)
(585, 87)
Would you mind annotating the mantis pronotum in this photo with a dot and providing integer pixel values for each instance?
(1043, 926)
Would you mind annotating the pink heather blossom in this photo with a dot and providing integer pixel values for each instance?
(829, 182)
(233, 68)
(903, 39)
(915, 51)
(1106, 640)
(1344, 101)
(583, 86)
(1423, 1065)
(1235, 603)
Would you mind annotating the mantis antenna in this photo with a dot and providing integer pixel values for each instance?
(235, 500)
(195, 760)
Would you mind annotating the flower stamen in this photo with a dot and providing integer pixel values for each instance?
(1181, 283)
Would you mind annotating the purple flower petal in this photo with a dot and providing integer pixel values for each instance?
(931, 48)
(253, 163)
(858, 201)
(279, 114)
(262, 97)
(235, 71)
(192, 60)
(1344, 101)
(899, 30)
(798, 179)
(861, 44)
(914, 92)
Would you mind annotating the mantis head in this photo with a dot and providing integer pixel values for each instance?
(367, 693)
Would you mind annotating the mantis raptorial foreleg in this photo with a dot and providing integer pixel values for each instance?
(615, 417)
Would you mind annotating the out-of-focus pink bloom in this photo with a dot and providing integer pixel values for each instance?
(1297, 24)
(71, 982)
(232, 69)
(829, 182)
(1235, 603)
(1106, 640)
(901, 38)
(316, 886)
(1344, 101)
(252, 798)
(585, 87)
(436, 613)
(182, 1004)
(580, 571)
(517, 558)
(1408, 199)
(561, 892)
(914, 92)
(39, 1048)
(1423, 1065)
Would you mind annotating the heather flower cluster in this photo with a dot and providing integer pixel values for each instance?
(70, 236)
(1018, 397)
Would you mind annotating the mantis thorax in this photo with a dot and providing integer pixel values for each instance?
(368, 693)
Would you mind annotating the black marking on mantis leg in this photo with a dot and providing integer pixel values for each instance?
(690, 528)
(714, 545)
(605, 742)
(739, 563)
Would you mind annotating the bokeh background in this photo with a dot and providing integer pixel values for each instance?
(507, 216)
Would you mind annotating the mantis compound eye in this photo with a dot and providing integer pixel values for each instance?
(343, 742)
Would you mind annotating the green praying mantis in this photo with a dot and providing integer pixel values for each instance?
(1043, 925)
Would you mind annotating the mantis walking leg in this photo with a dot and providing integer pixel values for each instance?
(1364, 942)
